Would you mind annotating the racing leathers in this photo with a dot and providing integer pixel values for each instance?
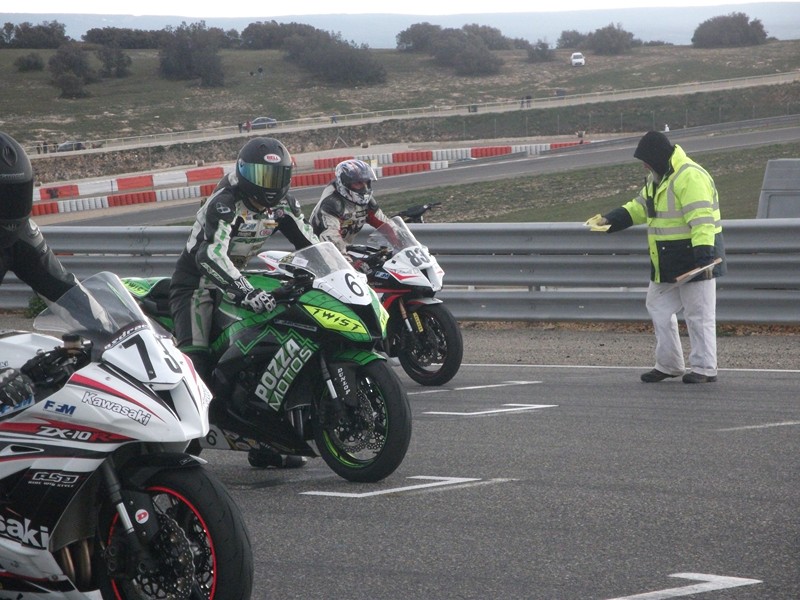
(338, 220)
(27, 255)
(228, 232)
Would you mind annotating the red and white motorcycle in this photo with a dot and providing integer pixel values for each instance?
(99, 499)
(422, 332)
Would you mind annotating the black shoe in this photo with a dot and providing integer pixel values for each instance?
(655, 376)
(693, 377)
(264, 457)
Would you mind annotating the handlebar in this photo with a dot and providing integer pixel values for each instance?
(414, 214)
(52, 369)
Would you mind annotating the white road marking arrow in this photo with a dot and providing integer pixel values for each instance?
(438, 481)
(517, 408)
(711, 583)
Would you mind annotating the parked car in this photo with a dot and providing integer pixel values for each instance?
(577, 59)
(263, 123)
(67, 146)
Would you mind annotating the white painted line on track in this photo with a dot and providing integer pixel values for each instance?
(437, 481)
(471, 387)
(711, 584)
(764, 426)
(517, 408)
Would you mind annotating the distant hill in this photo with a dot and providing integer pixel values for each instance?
(673, 25)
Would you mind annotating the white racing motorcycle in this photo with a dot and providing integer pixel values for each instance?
(97, 497)
(422, 332)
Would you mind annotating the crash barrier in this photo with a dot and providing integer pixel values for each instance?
(440, 155)
(201, 181)
(504, 271)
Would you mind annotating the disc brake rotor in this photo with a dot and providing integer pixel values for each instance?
(364, 427)
(175, 577)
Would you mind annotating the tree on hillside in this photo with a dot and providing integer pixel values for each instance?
(127, 39)
(610, 40)
(466, 54)
(541, 52)
(491, 36)
(731, 31)
(419, 37)
(333, 60)
(70, 71)
(571, 39)
(273, 35)
(29, 62)
(50, 34)
(116, 64)
(191, 52)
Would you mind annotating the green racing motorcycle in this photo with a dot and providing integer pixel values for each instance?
(305, 379)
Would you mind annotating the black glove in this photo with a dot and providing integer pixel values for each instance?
(703, 256)
(15, 387)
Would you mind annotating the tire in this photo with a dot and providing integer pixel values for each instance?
(370, 441)
(216, 540)
(433, 356)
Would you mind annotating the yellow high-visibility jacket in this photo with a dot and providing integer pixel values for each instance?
(683, 221)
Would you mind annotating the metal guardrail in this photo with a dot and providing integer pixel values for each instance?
(508, 272)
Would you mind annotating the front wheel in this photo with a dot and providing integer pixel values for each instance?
(368, 441)
(431, 353)
(202, 547)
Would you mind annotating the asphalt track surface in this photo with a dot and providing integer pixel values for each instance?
(552, 483)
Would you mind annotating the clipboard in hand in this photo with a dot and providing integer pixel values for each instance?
(689, 275)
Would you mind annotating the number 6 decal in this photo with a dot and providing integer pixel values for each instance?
(353, 284)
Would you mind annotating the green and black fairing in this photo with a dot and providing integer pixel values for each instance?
(267, 354)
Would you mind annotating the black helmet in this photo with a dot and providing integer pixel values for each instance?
(16, 188)
(264, 170)
(354, 180)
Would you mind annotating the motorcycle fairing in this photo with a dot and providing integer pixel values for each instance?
(334, 316)
(285, 355)
(147, 358)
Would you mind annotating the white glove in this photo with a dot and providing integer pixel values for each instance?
(258, 301)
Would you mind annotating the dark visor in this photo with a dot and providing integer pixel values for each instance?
(266, 176)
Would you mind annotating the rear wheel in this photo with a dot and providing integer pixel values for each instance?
(369, 441)
(432, 354)
(202, 546)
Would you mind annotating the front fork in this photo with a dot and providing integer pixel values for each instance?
(132, 557)
(411, 321)
(333, 410)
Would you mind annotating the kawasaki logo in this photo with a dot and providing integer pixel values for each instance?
(22, 532)
(280, 373)
(137, 414)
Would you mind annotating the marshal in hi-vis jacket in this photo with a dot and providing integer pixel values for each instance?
(683, 219)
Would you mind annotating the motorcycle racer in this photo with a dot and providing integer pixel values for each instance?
(23, 249)
(248, 206)
(346, 205)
